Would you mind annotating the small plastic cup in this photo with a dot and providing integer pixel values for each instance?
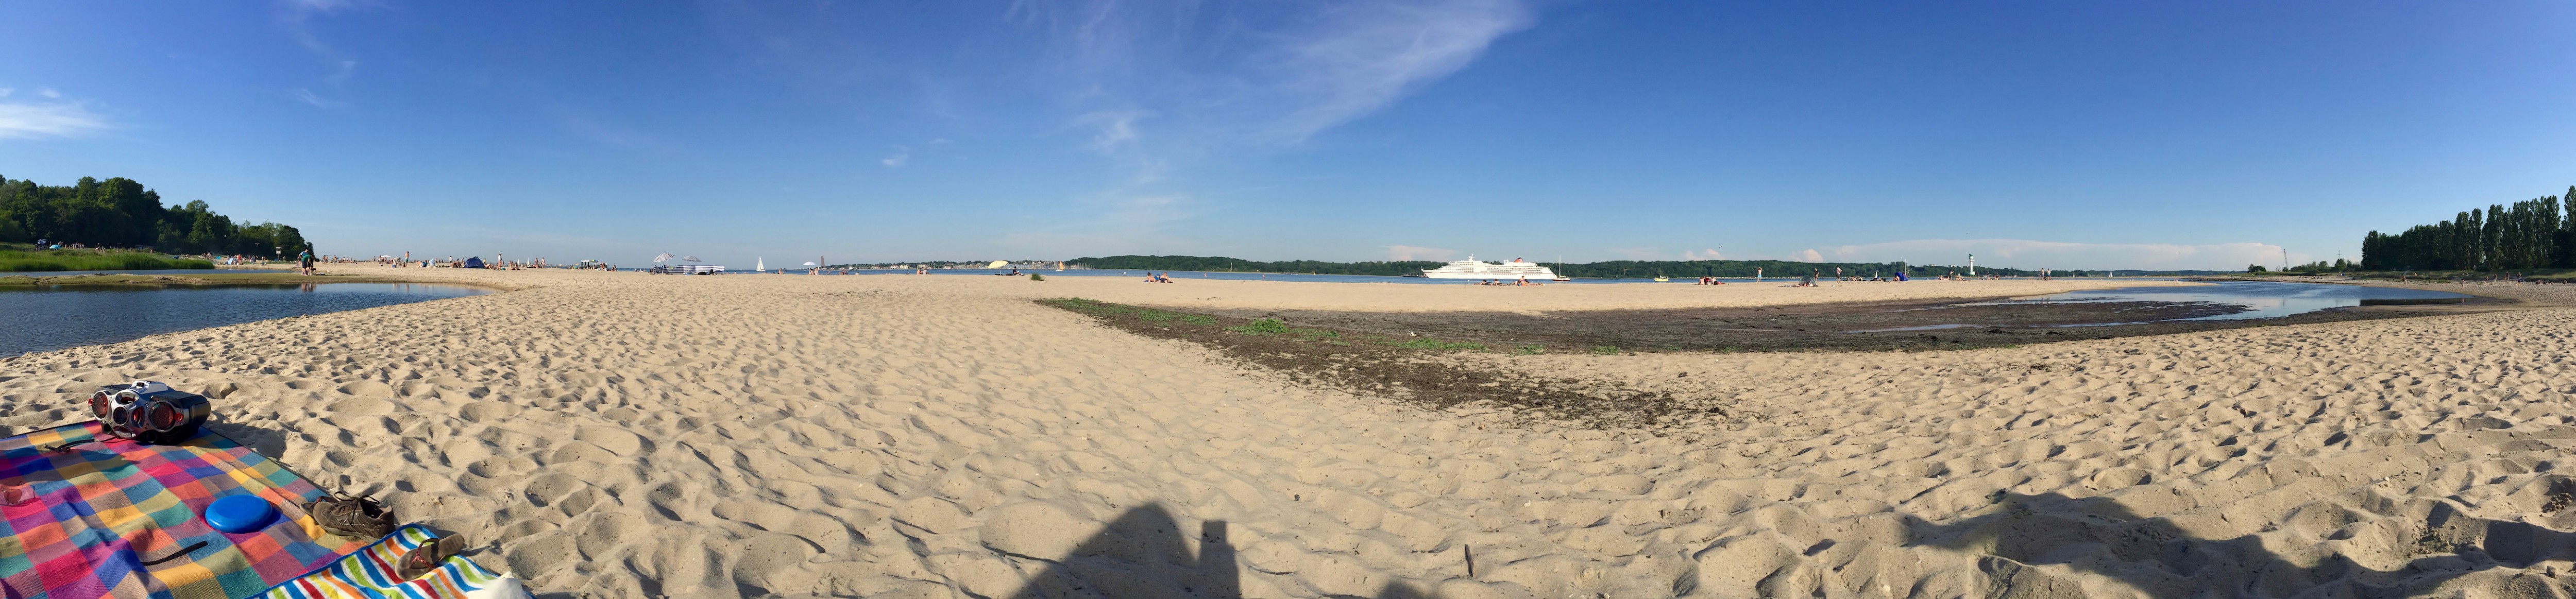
(17, 495)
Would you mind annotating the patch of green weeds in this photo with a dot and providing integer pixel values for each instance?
(1197, 319)
(1605, 351)
(1530, 350)
(1266, 326)
(1438, 345)
(1074, 303)
(1155, 315)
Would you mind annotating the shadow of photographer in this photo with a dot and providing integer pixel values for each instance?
(2429, 541)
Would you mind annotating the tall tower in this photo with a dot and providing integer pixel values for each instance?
(1972, 265)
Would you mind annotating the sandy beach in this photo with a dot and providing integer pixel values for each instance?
(630, 435)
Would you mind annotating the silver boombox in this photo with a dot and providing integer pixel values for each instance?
(149, 411)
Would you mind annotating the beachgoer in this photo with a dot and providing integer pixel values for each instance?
(304, 260)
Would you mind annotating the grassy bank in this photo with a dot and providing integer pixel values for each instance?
(26, 258)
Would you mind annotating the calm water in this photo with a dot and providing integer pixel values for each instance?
(62, 317)
(1180, 275)
(66, 273)
(2262, 299)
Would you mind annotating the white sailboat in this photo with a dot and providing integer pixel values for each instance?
(759, 266)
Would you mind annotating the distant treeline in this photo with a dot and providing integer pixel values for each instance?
(1615, 269)
(1222, 264)
(2530, 234)
(119, 212)
(930, 264)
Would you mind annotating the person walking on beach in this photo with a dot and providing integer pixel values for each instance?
(304, 262)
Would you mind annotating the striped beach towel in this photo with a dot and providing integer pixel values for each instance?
(369, 574)
(88, 516)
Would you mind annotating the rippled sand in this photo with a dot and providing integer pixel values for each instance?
(628, 435)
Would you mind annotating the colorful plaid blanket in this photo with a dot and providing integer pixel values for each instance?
(96, 516)
(370, 574)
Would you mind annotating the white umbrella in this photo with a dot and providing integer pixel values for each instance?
(809, 264)
(662, 258)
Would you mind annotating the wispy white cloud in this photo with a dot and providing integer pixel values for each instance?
(1115, 134)
(2024, 253)
(296, 17)
(48, 92)
(1709, 254)
(1278, 74)
(308, 97)
(930, 150)
(1407, 252)
(5, 91)
(1807, 255)
(1115, 130)
(1359, 57)
(1156, 87)
(55, 120)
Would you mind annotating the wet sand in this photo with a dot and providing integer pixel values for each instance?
(1966, 323)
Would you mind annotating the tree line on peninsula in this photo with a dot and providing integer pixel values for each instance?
(2527, 235)
(119, 212)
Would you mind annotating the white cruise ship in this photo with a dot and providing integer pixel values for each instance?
(1471, 268)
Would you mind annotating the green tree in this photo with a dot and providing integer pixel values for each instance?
(121, 212)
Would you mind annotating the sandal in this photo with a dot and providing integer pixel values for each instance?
(428, 557)
(359, 517)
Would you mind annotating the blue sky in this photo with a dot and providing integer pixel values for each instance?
(2035, 134)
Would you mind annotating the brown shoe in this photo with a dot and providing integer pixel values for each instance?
(359, 517)
(428, 557)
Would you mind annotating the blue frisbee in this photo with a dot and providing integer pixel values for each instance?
(240, 514)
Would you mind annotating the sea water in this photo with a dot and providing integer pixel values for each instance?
(2261, 299)
(58, 317)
